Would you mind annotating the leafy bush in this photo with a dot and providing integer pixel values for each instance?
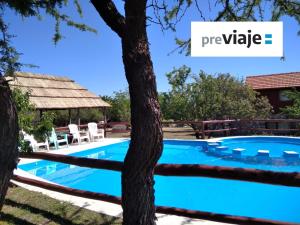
(24, 146)
(25, 110)
(43, 127)
(27, 119)
(292, 111)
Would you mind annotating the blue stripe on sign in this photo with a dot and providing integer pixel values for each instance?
(268, 35)
(268, 42)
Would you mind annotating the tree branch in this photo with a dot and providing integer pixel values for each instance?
(227, 9)
(111, 16)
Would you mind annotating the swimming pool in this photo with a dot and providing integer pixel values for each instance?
(197, 193)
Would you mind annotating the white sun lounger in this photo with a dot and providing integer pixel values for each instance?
(33, 143)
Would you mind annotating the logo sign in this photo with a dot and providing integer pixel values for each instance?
(263, 39)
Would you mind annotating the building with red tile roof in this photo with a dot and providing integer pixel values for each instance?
(273, 86)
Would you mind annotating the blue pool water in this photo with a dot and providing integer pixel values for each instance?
(205, 194)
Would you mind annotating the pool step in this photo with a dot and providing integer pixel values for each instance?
(290, 154)
(211, 146)
(221, 148)
(237, 151)
(264, 153)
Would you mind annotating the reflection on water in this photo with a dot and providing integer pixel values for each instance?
(52, 167)
(96, 155)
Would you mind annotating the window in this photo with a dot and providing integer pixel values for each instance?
(283, 97)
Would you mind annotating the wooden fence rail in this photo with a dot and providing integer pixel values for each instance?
(195, 170)
(159, 209)
(203, 128)
(252, 175)
(208, 127)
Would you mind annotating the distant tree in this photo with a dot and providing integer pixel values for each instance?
(61, 118)
(292, 111)
(207, 97)
(120, 106)
(90, 115)
(85, 115)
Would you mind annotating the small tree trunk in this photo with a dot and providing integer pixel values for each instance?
(196, 129)
(146, 135)
(8, 138)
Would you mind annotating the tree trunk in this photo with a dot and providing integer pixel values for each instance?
(8, 138)
(146, 135)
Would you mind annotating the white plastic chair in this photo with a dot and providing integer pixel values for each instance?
(53, 139)
(95, 132)
(33, 143)
(78, 135)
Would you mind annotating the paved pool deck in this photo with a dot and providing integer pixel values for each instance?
(96, 205)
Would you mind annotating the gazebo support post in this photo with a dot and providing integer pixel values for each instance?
(78, 117)
(104, 114)
(105, 119)
(70, 119)
(41, 113)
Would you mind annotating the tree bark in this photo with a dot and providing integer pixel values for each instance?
(146, 135)
(8, 138)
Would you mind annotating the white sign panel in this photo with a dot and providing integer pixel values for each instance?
(227, 39)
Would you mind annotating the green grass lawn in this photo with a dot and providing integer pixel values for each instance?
(23, 207)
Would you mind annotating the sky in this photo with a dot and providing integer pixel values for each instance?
(95, 60)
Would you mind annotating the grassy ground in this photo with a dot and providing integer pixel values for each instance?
(23, 207)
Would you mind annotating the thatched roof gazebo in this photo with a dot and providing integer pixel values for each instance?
(54, 92)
